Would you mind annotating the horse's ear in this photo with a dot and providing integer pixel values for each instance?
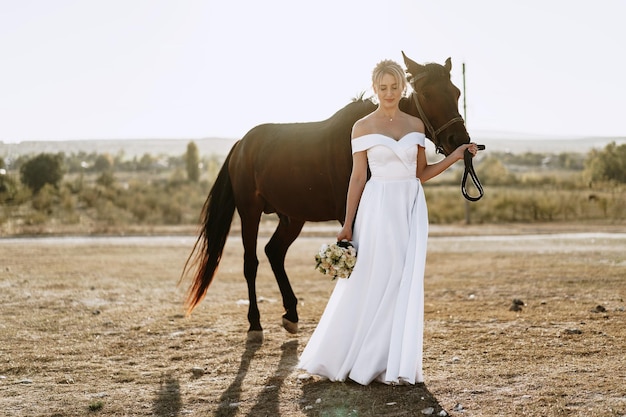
(412, 67)
(448, 65)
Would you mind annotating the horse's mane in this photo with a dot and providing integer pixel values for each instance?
(359, 97)
(359, 106)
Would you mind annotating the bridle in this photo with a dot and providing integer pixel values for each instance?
(434, 132)
(467, 156)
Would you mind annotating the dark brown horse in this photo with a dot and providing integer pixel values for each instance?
(300, 171)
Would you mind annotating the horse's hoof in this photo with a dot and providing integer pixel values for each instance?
(290, 326)
(255, 336)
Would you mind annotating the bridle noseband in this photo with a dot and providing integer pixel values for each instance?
(467, 156)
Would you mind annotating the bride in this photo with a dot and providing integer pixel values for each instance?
(372, 327)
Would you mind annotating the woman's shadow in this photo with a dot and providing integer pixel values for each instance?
(322, 398)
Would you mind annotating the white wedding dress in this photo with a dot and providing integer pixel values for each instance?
(372, 327)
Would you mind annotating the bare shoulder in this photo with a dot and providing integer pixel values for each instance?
(415, 123)
(361, 127)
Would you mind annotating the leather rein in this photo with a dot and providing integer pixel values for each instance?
(467, 156)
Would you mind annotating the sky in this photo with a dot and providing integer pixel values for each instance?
(140, 69)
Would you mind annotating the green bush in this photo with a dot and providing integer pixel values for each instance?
(8, 188)
(506, 204)
(192, 162)
(41, 170)
(46, 199)
(608, 164)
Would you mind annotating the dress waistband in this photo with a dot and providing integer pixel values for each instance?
(388, 178)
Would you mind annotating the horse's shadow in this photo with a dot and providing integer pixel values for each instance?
(267, 403)
(232, 395)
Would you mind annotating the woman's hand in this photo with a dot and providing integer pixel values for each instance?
(345, 233)
(459, 152)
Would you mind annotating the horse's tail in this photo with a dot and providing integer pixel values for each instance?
(216, 218)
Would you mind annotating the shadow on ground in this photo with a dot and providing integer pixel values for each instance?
(168, 401)
(232, 394)
(336, 399)
(321, 398)
(268, 401)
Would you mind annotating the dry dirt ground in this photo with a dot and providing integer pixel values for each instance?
(95, 327)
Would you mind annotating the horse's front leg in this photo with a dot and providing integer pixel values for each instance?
(276, 250)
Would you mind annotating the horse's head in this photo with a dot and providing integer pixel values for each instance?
(436, 101)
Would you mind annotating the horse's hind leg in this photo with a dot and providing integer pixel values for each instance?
(249, 232)
(276, 250)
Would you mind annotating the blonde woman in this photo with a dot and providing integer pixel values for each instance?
(372, 327)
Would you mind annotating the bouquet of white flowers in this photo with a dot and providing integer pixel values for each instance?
(336, 260)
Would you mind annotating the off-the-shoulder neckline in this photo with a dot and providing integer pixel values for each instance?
(389, 137)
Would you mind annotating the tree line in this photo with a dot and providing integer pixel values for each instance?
(157, 189)
(43, 169)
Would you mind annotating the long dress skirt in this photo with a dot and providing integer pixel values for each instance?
(372, 327)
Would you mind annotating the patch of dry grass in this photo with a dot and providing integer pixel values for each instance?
(97, 328)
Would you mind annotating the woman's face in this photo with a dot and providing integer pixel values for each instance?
(388, 91)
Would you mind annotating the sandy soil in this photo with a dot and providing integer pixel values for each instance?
(96, 327)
